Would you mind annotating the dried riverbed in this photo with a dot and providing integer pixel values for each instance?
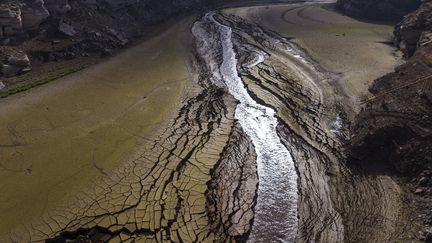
(203, 138)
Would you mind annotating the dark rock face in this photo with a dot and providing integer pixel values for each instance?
(10, 20)
(415, 30)
(392, 10)
(33, 14)
(86, 26)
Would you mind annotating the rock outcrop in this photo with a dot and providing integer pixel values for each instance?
(16, 17)
(33, 14)
(10, 20)
(415, 30)
(84, 28)
(16, 64)
(390, 10)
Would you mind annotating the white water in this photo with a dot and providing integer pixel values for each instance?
(276, 209)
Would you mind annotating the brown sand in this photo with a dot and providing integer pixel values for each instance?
(355, 52)
(57, 138)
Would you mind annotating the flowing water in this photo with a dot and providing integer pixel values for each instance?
(276, 209)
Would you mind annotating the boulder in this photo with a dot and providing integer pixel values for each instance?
(10, 70)
(2, 85)
(10, 20)
(16, 64)
(19, 60)
(33, 14)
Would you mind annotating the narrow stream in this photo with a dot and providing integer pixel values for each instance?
(276, 209)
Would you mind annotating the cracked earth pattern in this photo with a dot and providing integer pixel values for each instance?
(161, 195)
(197, 181)
(289, 84)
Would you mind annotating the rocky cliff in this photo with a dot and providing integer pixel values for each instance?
(389, 10)
(415, 30)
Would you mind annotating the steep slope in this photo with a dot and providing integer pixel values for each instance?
(415, 30)
(392, 135)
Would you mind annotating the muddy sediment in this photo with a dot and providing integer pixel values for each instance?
(68, 134)
(311, 100)
(197, 179)
(232, 191)
(289, 86)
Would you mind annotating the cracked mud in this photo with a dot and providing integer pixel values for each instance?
(254, 133)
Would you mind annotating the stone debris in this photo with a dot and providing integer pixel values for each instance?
(19, 60)
(15, 64)
(123, 40)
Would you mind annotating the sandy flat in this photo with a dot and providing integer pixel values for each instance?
(56, 139)
(355, 52)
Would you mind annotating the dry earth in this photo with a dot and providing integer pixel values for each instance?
(145, 148)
